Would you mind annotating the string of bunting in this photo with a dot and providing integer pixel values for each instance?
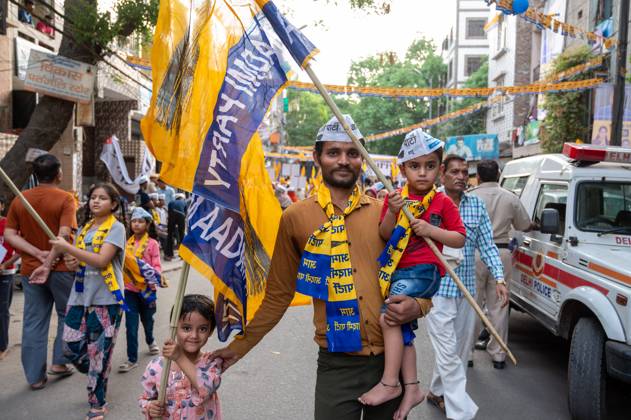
(394, 92)
(543, 22)
(580, 68)
(560, 87)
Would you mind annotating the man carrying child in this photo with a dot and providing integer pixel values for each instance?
(337, 225)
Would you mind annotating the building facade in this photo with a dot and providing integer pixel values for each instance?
(466, 46)
(514, 46)
(113, 109)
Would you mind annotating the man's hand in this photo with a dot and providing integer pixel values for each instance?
(39, 275)
(421, 228)
(401, 309)
(41, 255)
(228, 356)
(155, 410)
(395, 202)
(171, 350)
(502, 293)
(71, 262)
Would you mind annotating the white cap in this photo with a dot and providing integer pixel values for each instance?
(162, 196)
(153, 196)
(333, 130)
(418, 143)
(143, 179)
(179, 196)
(140, 213)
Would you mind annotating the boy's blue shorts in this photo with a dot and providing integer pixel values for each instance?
(418, 281)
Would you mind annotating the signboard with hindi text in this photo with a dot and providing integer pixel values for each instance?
(61, 77)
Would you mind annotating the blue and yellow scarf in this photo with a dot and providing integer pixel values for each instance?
(108, 272)
(326, 273)
(138, 272)
(391, 255)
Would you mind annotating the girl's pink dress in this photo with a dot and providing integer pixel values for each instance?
(182, 401)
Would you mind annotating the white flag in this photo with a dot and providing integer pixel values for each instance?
(112, 157)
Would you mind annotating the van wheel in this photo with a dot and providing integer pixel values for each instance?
(587, 372)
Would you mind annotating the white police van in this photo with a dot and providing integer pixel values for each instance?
(574, 274)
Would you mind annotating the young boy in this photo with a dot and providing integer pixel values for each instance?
(409, 263)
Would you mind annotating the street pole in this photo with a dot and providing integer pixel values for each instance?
(620, 74)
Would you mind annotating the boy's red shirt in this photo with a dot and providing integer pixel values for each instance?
(443, 213)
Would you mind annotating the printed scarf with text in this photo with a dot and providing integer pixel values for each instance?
(138, 272)
(326, 273)
(108, 272)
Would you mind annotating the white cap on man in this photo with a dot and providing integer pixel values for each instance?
(418, 143)
(334, 131)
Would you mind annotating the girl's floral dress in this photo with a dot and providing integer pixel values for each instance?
(183, 402)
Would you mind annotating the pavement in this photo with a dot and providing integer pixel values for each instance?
(276, 379)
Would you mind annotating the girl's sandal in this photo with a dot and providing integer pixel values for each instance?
(95, 414)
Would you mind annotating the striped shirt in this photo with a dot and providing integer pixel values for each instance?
(479, 235)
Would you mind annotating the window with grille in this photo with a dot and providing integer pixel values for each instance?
(475, 28)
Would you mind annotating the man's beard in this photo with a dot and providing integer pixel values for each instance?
(330, 180)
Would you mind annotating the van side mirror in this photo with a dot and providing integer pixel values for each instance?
(550, 222)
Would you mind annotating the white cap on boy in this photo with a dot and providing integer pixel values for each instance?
(333, 130)
(418, 143)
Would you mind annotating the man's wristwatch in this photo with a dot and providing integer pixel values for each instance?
(501, 281)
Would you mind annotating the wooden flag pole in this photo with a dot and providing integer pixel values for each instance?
(27, 205)
(338, 114)
(175, 316)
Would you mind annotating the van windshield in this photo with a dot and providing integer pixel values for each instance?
(604, 207)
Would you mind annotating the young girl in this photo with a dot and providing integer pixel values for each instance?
(143, 252)
(409, 263)
(193, 381)
(96, 301)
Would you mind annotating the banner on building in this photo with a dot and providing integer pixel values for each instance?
(112, 157)
(603, 105)
(474, 146)
(61, 77)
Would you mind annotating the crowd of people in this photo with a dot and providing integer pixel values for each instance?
(368, 268)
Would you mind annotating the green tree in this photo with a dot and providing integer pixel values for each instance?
(470, 124)
(87, 34)
(307, 113)
(567, 114)
(421, 67)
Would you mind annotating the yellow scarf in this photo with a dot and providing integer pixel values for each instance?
(326, 273)
(108, 272)
(131, 253)
(391, 255)
(155, 216)
(138, 272)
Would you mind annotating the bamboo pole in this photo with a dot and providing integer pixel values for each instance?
(175, 316)
(329, 101)
(27, 205)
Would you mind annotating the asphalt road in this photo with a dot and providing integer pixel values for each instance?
(276, 380)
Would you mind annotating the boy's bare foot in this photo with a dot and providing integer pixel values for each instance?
(380, 393)
(412, 397)
(3, 354)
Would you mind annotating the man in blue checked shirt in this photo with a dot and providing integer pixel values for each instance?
(451, 321)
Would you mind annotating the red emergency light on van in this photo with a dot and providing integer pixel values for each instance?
(591, 153)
